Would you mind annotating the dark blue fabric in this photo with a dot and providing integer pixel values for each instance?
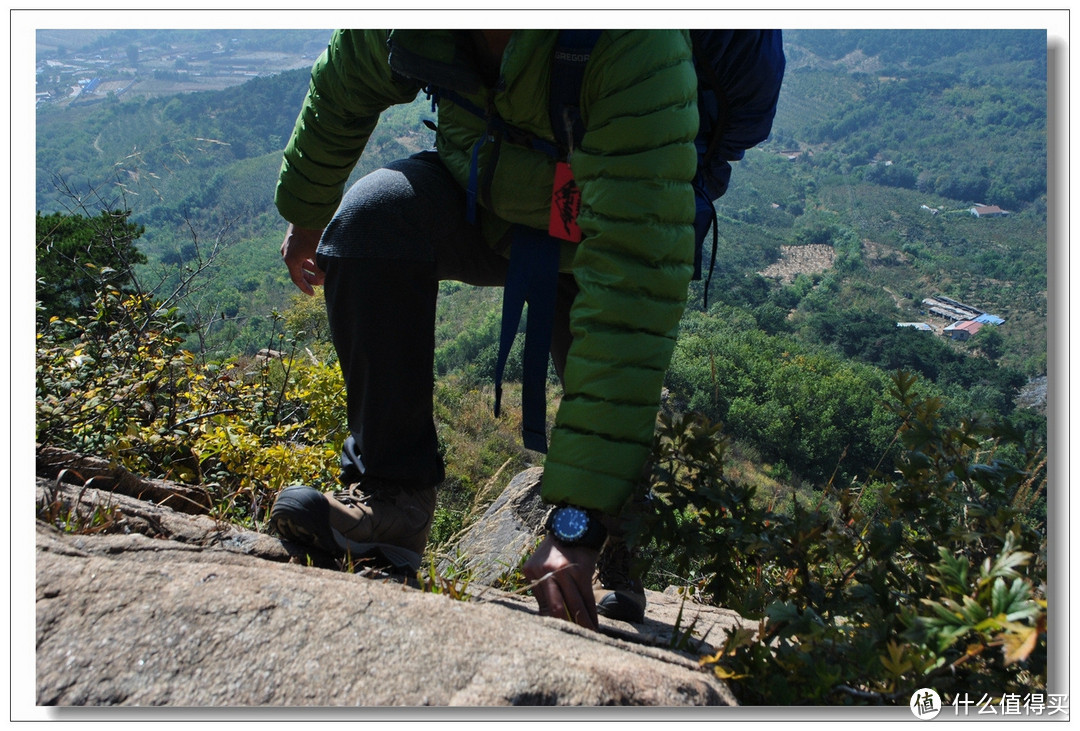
(572, 52)
(398, 232)
(533, 278)
(739, 78)
(474, 177)
(534, 255)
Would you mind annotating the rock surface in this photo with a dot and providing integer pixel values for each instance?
(493, 546)
(181, 610)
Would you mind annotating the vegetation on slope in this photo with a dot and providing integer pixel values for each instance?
(930, 571)
(824, 501)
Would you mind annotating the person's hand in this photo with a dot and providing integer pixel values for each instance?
(562, 577)
(298, 253)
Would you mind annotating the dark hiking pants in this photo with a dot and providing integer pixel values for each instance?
(398, 233)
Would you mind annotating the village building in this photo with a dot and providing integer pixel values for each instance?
(950, 309)
(963, 330)
(987, 211)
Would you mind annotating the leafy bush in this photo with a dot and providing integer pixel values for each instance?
(932, 576)
(116, 383)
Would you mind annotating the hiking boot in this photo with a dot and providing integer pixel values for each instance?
(618, 593)
(382, 520)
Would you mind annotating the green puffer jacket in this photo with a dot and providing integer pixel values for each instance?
(633, 167)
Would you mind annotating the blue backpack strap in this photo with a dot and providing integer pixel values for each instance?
(532, 277)
(534, 255)
(704, 224)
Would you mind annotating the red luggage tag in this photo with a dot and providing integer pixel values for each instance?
(565, 203)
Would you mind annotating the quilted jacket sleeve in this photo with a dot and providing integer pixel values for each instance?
(351, 85)
(634, 168)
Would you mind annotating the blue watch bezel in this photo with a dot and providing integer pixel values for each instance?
(575, 526)
(573, 531)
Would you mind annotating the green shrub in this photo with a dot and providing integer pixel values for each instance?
(931, 576)
(116, 383)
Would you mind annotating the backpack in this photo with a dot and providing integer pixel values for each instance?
(739, 74)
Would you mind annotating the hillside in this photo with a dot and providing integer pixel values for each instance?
(872, 499)
(879, 152)
(87, 67)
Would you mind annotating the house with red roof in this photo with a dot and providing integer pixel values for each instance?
(963, 330)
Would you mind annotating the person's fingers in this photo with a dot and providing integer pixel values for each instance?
(582, 606)
(314, 275)
(562, 583)
(553, 604)
(577, 604)
(298, 252)
(548, 594)
(588, 601)
(310, 275)
(305, 274)
(298, 276)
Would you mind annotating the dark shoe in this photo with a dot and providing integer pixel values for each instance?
(382, 520)
(619, 594)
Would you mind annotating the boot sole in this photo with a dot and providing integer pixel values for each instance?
(301, 514)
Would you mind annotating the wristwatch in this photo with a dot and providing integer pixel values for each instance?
(574, 526)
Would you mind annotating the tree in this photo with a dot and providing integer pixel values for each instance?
(76, 255)
(989, 341)
(930, 573)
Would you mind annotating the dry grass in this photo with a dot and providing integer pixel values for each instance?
(796, 260)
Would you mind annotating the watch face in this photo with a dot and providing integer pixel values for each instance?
(570, 523)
